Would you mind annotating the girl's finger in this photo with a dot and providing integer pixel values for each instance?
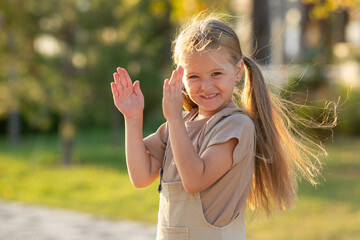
(114, 90)
(115, 77)
(176, 74)
(173, 85)
(179, 83)
(137, 89)
(179, 74)
(117, 82)
(122, 78)
(172, 80)
(166, 87)
(127, 78)
(176, 81)
(166, 84)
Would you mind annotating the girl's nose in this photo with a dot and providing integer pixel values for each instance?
(206, 85)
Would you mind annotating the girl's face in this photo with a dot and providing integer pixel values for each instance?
(209, 79)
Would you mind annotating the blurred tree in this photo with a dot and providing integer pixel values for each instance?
(184, 10)
(323, 9)
(13, 43)
(13, 118)
(63, 54)
(323, 28)
(261, 29)
(323, 25)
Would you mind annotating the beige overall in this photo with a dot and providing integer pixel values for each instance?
(181, 214)
(181, 218)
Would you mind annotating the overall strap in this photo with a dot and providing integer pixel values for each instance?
(161, 170)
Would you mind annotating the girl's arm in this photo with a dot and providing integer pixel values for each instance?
(196, 172)
(143, 169)
(199, 172)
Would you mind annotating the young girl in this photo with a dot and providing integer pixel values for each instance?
(217, 157)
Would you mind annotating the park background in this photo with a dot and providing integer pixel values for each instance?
(62, 138)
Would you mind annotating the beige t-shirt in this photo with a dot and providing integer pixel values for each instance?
(224, 199)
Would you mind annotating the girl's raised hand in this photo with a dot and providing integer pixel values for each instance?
(172, 95)
(128, 97)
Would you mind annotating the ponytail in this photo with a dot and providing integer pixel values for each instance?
(279, 149)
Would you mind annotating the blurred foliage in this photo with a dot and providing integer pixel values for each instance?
(325, 55)
(59, 56)
(349, 112)
(94, 37)
(323, 8)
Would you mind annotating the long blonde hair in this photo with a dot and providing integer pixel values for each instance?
(282, 149)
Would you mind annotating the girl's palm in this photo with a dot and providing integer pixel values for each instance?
(128, 97)
(172, 95)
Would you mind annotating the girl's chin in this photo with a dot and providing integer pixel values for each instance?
(211, 106)
(209, 111)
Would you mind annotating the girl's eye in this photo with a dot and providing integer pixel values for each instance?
(216, 74)
(193, 77)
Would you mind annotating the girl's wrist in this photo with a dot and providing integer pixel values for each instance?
(134, 120)
(176, 121)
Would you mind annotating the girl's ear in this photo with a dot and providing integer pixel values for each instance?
(239, 70)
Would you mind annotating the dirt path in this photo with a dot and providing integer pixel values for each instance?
(20, 222)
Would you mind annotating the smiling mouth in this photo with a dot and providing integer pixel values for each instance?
(209, 96)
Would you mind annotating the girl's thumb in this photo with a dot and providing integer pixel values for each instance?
(137, 89)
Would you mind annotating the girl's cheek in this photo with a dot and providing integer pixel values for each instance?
(186, 85)
(190, 87)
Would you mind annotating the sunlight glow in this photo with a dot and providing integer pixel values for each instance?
(47, 45)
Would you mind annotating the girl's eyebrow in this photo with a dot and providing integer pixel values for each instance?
(217, 69)
(212, 70)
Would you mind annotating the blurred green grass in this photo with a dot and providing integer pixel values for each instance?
(330, 210)
(97, 183)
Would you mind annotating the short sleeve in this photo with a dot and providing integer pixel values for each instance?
(240, 127)
(156, 142)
